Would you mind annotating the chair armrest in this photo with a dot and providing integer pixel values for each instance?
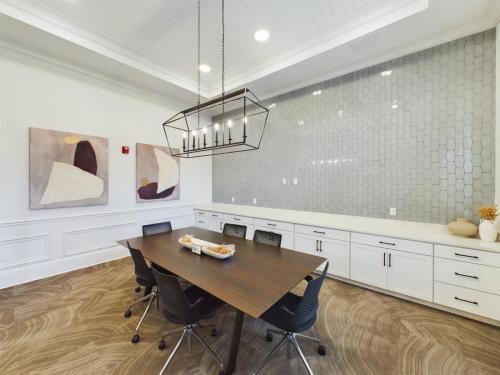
(308, 278)
(198, 301)
(285, 309)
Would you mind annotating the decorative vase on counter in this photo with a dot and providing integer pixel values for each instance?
(462, 227)
(488, 231)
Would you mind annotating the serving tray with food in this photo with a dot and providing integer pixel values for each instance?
(214, 250)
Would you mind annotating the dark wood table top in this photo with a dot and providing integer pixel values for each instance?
(252, 280)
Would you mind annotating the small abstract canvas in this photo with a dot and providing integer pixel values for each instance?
(157, 174)
(67, 169)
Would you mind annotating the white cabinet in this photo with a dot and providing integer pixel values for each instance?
(398, 271)
(335, 251)
(202, 222)
(410, 274)
(216, 225)
(368, 265)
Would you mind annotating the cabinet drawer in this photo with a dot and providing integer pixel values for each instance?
(271, 224)
(468, 275)
(287, 240)
(322, 232)
(214, 215)
(202, 223)
(423, 248)
(238, 219)
(201, 213)
(469, 300)
(486, 258)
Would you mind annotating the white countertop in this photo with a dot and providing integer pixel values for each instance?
(424, 232)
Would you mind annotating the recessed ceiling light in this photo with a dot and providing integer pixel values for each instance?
(204, 68)
(261, 35)
(317, 92)
(386, 73)
(271, 105)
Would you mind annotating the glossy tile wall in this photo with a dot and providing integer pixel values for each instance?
(415, 133)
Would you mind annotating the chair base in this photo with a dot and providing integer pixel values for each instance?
(188, 332)
(291, 339)
(151, 297)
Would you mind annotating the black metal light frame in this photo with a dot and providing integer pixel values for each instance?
(219, 142)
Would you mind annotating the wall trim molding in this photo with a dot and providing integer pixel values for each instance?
(96, 214)
(59, 266)
(88, 249)
(17, 239)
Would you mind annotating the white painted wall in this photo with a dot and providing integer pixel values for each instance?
(39, 243)
(497, 119)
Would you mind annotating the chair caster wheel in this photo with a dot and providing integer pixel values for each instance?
(136, 338)
(269, 337)
(127, 314)
(162, 344)
(138, 289)
(213, 332)
(321, 350)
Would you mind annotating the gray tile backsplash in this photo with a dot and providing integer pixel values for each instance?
(419, 137)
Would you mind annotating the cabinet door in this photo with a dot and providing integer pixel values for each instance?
(216, 225)
(410, 274)
(368, 265)
(203, 223)
(307, 244)
(338, 254)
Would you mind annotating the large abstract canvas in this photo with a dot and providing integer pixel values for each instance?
(67, 169)
(157, 174)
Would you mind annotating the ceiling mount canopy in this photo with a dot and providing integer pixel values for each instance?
(238, 118)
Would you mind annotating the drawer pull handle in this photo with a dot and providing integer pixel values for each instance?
(215, 215)
(321, 245)
(384, 259)
(317, 245)
(464, 300)
(470, 277)
(201, 213)
(319, 232)
(390, 261)
(271, 225)
(201, 222)
(386, 243)
(467, 256)
(237, 219)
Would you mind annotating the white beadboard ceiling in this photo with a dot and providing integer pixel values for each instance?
(151, 45)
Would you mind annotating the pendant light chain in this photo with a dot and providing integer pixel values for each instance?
(199, 60)
(223, 45)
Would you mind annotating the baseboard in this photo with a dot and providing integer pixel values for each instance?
(59, 266)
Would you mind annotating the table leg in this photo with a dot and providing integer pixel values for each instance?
(235, 343)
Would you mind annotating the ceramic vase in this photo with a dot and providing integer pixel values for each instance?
(488, 231)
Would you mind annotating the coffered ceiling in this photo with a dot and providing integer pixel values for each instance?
(151, 44)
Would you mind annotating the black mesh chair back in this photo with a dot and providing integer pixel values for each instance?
(156, 228)
(267, 238)
(175, 305)
(235, 230)
(308, 306)
(143, 273)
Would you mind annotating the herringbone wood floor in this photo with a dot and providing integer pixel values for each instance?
(74, 324)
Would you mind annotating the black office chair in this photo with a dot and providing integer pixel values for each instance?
(187, 307)
(235, 230)
(294, 314)
(156, 228)
(144, 277)
(267, 238)
(148, 230)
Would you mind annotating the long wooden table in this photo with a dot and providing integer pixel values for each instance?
(251, 281)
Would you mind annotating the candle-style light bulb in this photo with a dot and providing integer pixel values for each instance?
(245, 120)
(216, 127)
(229, 125)
(205, 137)
(184, 141)
(194, 139)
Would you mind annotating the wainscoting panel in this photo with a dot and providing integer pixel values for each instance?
(34, 249)
(91, 239)
(20, 251)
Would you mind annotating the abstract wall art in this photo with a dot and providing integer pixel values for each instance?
(67, 169)
(157, 174)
